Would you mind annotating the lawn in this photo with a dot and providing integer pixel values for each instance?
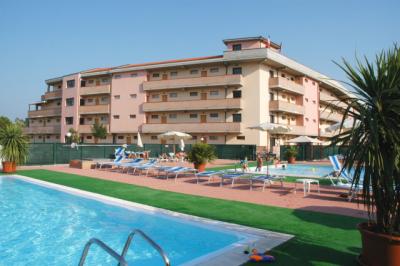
(320, 239)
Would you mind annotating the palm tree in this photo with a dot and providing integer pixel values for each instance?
(374, 139)
(14, 146)
(99, 131)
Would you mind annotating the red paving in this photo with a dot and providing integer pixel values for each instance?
(328, 201)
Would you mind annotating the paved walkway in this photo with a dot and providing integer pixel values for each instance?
(328, 201)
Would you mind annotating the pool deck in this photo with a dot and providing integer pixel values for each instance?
(328, 201)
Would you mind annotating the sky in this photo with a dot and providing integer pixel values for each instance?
(46, 39)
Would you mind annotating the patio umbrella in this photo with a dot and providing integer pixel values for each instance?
(139, 140)
(173, 135)
(304, 139)
(182, 145)
(347, 124)
(272, 128)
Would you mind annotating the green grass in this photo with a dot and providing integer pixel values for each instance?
(320, 239)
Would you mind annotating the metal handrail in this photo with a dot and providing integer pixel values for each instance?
(149, 240)
(106, 248)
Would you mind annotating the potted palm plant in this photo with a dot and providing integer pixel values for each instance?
(14, 147)
(373, 140)
(291, 154)
(200, 155)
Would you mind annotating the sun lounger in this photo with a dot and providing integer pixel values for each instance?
(231, 176)
(181, 170)
(208, 174)
(145, 167)
(265, 179)
(126, 166)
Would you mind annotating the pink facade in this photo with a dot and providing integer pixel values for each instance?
(70, 111)
(311, 103)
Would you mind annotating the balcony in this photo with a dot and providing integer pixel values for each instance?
(198, 82)
(214, 104)
(286, 85)
(43, 129)
(325, 134)
(85, 129)
(193, 127)
(94, 109)
(325, 115)
(52, 95)
(326, 97)
(281, 106)
(48, 112)
(103, 89)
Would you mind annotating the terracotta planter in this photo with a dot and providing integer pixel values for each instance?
(200, 167)
(9, 167)
(292, 160)
(378, 249)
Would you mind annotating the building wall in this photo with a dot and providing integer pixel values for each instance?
(311, 113)
(70, 111)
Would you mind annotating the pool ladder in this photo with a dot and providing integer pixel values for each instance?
(121, 257)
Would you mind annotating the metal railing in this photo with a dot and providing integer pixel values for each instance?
(121, 260)
(149, 240)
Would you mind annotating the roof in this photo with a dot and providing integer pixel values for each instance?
(256, 38)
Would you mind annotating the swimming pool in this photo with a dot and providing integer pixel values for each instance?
(298, 170)
(45, 226)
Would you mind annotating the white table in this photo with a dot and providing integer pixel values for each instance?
(306, 185)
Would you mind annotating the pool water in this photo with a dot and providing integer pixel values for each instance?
(299, 169)
(44, 226)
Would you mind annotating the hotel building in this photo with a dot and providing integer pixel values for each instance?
(215, 99)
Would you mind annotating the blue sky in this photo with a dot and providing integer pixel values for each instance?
(45, 39)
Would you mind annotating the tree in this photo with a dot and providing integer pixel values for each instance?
(21, 122)
(99, 131)
(374, 138)
(4, 121)
(74, 138)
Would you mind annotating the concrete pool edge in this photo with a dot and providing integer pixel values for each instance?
(229, 255)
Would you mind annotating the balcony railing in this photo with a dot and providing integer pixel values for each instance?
(214, 104)
(286, 107)
(43, 129)
(52, 95)
(48, 112)
(214, 81)
(286, 85)
(193, 127)
(102, 89)
(325, 115)
(94, 109)
(88, 128)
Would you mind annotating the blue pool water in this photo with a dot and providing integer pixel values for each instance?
(300, 169)
(43, 226)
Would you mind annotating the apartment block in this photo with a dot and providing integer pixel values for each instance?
(215, 99)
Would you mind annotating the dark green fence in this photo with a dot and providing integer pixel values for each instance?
(60, 153)
(307, 152)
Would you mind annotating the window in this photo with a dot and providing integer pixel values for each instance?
(173, 73)
(293, 118)
(292, 99)
(58, 120)
(104, 99)
(214, 70)
(214, 115)
(314, 120)
(69, 101)
(214, 93)
(237, 71)
(306, 99)
(81, 121)
(193, 93)
(237, 47)
(133, 75)
(194, 137)
(117, 97)
(132, 116)
(90, 100)
(156, 75)
(240, 137)
(105, 80)
(272, 119)
(213, 137)
(116, 116)
(172, 116)
(58, 103)
(173, 95)
(117, 76)
(70, 83)
(154, 116)
(120, 137)
(40, 137)
(48, 120)
(271, 96)
(194, 71)
(307, 119)
(103, 118)
(47, 137)
(134, 137)
(89, 119)
(69, 120)
(314, 102)
(153, 137)
(91, 81)
(237, 117)
(193, 116)
(283, 117)
(88, 137)
(82, 102)
(306, 80)
(271, 74)
(83, 83)
(133, 96)
(237, 94)
(155, 96)
(283, 75)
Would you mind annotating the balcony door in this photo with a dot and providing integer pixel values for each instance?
(204, 73)
(128, 140)
(204, 95)
(98, 82)
(164, 97)
(164, 76)
(97, 101)
(163, 119)
(203, 118)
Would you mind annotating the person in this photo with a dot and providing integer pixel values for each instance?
(245, 164)
(259, 163)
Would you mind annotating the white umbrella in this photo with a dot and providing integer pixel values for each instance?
(304, 139)
(139, 140)
(173, 135)
(347, 124)
(182, 145)
(272, 128)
